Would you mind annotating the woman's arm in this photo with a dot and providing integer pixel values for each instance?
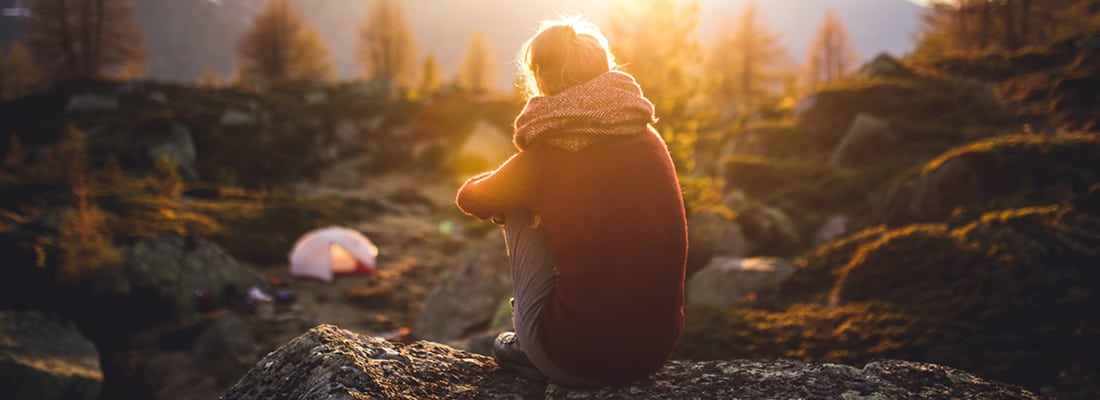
(511, 187)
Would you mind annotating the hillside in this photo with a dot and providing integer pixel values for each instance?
(945, 212)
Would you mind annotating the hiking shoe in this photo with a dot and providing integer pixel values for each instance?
(510, 356)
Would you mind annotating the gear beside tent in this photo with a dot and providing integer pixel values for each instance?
(325, 252)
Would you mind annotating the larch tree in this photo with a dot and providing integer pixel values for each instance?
(83, 38)
(656, 42)
(431, 78)
(386, 48)
(19, 74)
(961, 26)
(749, 61)
(832, 54)
(478, 71)
(210, 78)
(281, 46)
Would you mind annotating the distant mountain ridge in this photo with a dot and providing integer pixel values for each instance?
(183, 36)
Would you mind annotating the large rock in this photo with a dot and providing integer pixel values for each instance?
(769, 229)
(886, 66)
(467, 296)
(165, 278)
(727, 281)
(176, 145)
(42, 357)
(711, 235)
(332, 363)
(864, 141)
(998, 173)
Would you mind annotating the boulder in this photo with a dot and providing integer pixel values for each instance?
(998, 173)
(167, 277)
(332, 363)
(865, 140)
(833, 228)
(728, 281)
(885, 65)
(710, 235)
(87, 102)
(227, 347)
(178, 146)
(467, 296)
(769, 229)
(42, 357)
(232, 117)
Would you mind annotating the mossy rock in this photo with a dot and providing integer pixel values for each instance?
(853, 333)
(1000, 173)
(1011, 294)
(819, 269)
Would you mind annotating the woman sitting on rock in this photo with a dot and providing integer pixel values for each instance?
(593, 218)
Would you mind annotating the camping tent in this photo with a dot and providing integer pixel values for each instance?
(327, 251)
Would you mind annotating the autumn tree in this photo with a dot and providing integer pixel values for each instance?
(748, 60)
(82, 38)
(386, 46)
(282, 46)
(959, 26)
(431, 78)
(655, 41)
(478, 72)
(210, 77)
(832, 54)
(19, 74)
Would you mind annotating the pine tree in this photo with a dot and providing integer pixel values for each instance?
(430, 76)
(655, 41)
(832, 55)
(478, 72)
(387, 49)
(83, 38)
(281, 46)
(749, 61)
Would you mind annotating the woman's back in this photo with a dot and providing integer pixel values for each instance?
(614, 217)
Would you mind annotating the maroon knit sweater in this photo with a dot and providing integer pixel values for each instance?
(614, 217)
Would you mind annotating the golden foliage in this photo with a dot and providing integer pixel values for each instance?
(210, 78)
(654, 40)
(832, 55)
(83, 238)
(65, 162)
(165, 179)
(478, 72)
(19, 73)
(387, 49)
(431, 78)
(282, 46)
(749, 61)
(968, 26)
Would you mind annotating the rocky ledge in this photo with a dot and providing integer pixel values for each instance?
(331, 363)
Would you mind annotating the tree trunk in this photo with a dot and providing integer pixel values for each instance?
(1025, 21)
(986, 25)
(1011, 42)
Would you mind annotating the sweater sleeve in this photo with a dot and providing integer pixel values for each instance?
(511, 187)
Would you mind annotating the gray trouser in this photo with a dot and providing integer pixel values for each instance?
(533, 277)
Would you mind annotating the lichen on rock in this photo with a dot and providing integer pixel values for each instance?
(332, 363)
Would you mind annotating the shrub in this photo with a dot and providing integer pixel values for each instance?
(84, 242)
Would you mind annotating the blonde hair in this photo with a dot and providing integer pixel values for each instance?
(563, 53)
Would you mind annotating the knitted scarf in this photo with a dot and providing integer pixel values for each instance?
(607, 106)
